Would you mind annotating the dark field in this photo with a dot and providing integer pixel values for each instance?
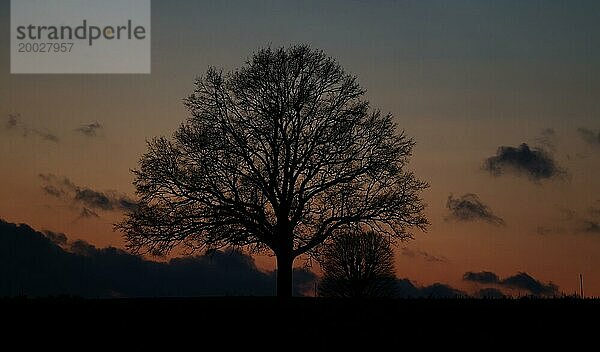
(300, 323)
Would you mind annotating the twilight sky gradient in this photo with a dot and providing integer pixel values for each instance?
(462, 77)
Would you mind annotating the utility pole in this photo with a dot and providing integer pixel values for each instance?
(581, 285)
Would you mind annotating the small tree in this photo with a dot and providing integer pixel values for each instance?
(358, 265)
(278, 155)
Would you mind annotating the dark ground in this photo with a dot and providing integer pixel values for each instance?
(303, 323)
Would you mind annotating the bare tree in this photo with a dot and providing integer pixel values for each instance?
(280, 155)
(358, 265)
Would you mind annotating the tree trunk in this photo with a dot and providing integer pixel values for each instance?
(284, 275)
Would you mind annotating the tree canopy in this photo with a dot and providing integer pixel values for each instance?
(358, 265)
(280, 155)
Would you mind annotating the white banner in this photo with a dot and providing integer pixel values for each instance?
(80, 36)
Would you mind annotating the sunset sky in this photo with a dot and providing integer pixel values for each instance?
(463, 78)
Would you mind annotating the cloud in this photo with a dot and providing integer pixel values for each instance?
(14, 123)
(519, 281)
(88, 199)
(526, 282)
(469, 208)
(589, 136)
(482, 277)
(53, 191)
(94, 199)
(81, 269)
(87, 213)
(406, 289)
(536, 163)
(45, 135)
(590, 226)
(56, 237)
(89, 130)
(587, 222)
(407, 252)
(573, 222)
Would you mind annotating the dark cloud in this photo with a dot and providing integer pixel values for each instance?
(81, 269)
(56, 237)
(406, 289)
(490, 292)
(587, 222)
(45, 135)
(89, 130)
(407, 252)
(127, 204)
(523, 281)
(590, 223)
(81, 247)
(87, 198)
(536, 163)
(589, 136)
(590, 226)
(53, 191)
(520, 281)
(469, 208)
(482, 277)
(573, 222)
(87, 213)
(14, 123)
(94, 199)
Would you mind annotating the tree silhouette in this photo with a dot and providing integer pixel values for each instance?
(358, 265)
(280, 154)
